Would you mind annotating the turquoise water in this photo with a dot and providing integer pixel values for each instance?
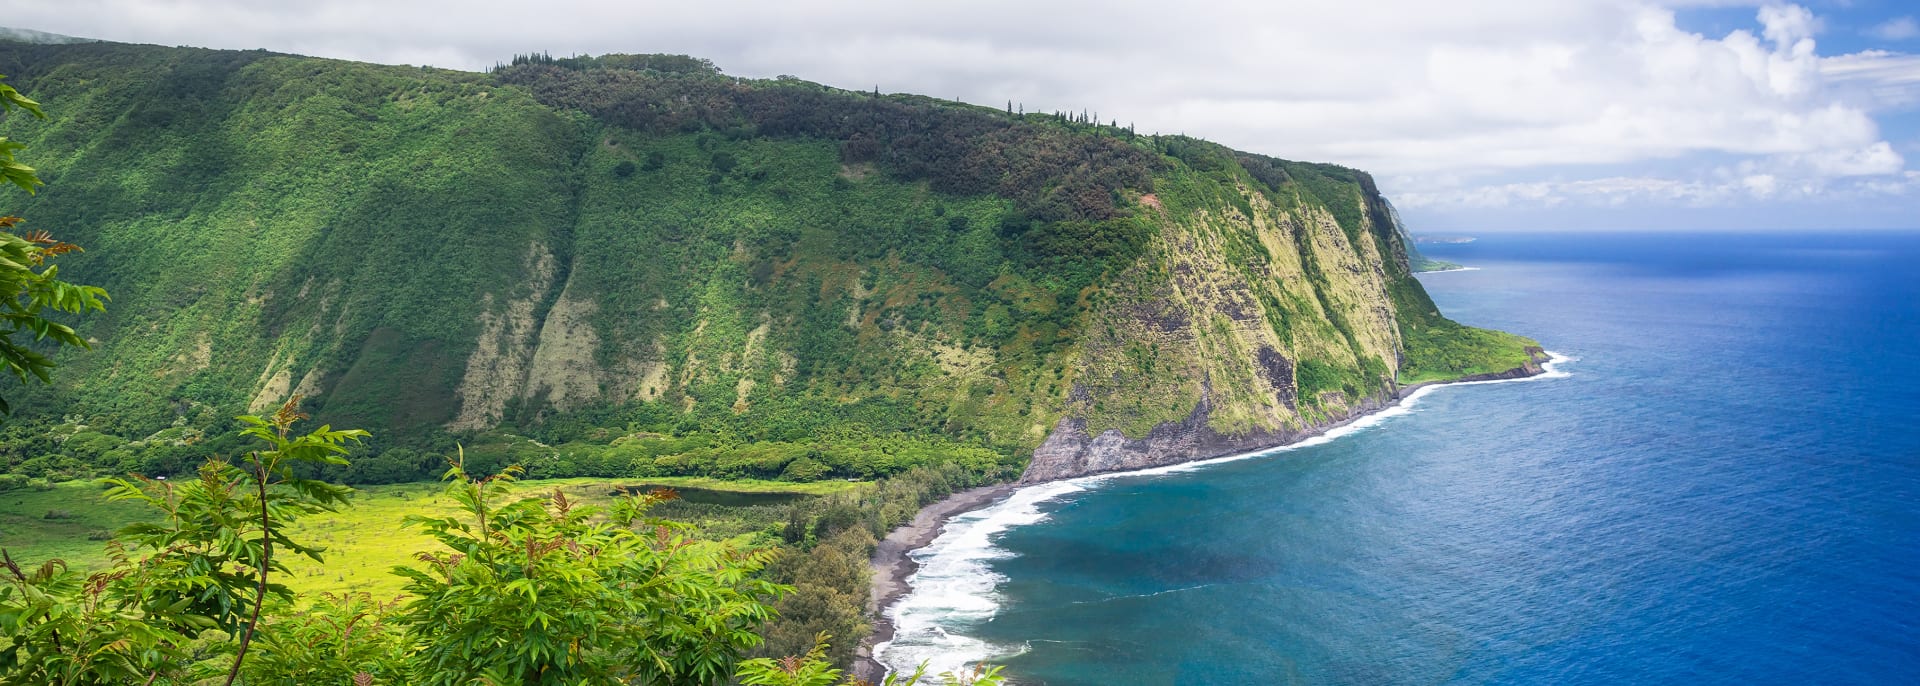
(1723, 489)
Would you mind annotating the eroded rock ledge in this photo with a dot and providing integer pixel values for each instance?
(1069, 452)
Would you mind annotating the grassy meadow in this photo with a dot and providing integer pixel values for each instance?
(367, 539)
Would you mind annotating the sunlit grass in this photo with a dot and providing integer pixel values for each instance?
(363, 542)
(80, 509)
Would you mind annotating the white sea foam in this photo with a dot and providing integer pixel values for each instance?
(955, 585)
(1455, 269)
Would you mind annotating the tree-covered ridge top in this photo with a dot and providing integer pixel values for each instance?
(20, 35)
(684, 65)
(666, 93)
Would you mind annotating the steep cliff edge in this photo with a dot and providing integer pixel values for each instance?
(641, 240)
(1270, 307)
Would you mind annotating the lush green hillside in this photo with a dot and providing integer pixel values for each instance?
(637, 266)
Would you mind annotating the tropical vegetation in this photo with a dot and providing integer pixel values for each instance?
(534, 590)
(565, 282)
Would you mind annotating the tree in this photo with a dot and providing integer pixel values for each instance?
(60, 626)
(203, 567)
(16, 173)
(335, 639)
(29, 287)
(542, 590)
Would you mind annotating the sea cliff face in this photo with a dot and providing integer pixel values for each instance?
(1071, 452)
(1263, 312)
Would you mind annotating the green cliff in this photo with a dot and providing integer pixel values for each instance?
(627, 253)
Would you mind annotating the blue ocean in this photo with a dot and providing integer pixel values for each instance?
(1720, 484)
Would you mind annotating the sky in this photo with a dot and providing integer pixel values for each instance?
(1474, 115)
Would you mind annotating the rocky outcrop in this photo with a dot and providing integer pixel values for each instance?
(1070, 452)
(563, 372)
(497, 368)
(1536, 355)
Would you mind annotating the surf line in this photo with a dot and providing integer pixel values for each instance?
(955, 582)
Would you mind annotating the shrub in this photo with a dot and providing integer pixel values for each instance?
(542, 590)
(805, 469)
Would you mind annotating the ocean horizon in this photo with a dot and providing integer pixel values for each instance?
(1708, 487)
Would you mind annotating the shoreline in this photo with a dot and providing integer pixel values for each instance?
(891, 566)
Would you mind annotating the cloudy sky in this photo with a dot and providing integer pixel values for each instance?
(1474, 114)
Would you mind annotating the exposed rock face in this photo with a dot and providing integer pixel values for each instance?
(564, 372)
(1069, 452)
(1280, 373)
(497, 368)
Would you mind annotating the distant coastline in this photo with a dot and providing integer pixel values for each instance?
(1449, 268)
(892, 567)
(1442, 240)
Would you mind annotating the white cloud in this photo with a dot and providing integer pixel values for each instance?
(1876, 78)
(1873, 160)
(1431, 95)
(1621, 191)
(1875, 171)
(1900, 28)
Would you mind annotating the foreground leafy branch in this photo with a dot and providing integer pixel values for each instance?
(274, 467)
(29, 287)
(204, 566)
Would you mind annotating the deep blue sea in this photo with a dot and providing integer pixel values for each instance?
(1723, 488)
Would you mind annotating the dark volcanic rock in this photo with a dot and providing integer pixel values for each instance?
(1279, 373)
(1069, 452)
